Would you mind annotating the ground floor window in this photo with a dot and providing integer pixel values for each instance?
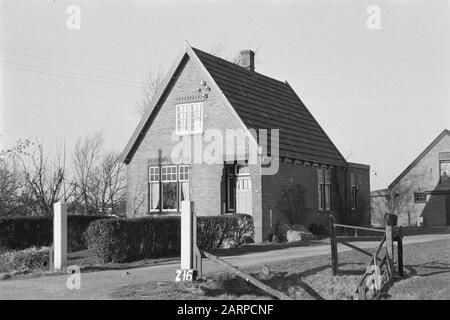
(168, 185)
(230, 187)
(353, 189)
(154, 189)
(324, 188)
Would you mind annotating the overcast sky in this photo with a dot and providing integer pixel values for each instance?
(381, 95)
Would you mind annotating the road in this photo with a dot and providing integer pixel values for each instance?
(97, 285)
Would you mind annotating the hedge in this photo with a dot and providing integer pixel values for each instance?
(125, 240)
(34, 259)
(19, 233)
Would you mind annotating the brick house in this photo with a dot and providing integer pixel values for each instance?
(421, 191)
(203, 93)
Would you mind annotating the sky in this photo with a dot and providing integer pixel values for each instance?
(382, 95)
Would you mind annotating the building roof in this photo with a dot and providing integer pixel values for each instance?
(380, 193)
(260, 102)
(444, 133)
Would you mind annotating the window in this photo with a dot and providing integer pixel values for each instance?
(242, 170)
(189, 118)
(231, 187)
(324, 188)
(444, 169)
(184, 183)
(171, 185)
(154, 188)
(169, 188)
(420, 197)
(353, 189)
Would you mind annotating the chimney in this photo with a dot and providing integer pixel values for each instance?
(247, 59)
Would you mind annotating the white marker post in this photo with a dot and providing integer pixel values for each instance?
(60, 235)
(191, 259)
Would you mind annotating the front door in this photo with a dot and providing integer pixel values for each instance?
(244, 195)
(447, 208)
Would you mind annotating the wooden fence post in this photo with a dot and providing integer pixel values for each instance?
(333, 244)
(391, 221)
(400, 251)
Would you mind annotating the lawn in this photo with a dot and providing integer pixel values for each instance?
(427, 268)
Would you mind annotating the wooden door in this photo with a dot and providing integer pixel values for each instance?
(244, 195)
(447, 209)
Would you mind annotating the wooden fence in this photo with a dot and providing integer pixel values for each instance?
(381, 264)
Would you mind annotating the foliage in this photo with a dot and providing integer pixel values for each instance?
(34, 259)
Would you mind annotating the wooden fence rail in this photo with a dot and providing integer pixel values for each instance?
(275, 293)
(389, 235)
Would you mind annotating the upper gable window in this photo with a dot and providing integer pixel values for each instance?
(444, 171)
(189, 118)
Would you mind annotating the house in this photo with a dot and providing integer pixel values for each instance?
(421, 193)
(206, 101)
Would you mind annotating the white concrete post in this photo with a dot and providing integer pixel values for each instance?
(191, 257)
(60, 235)
(186, 236)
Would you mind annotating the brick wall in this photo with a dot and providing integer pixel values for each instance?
(289, 174)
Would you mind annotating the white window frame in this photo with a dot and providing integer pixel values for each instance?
(169, 180)
(183, 177)
(324, 189)
(190, 112)
(182, 168)
(154, 173)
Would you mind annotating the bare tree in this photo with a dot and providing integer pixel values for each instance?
(17, 150)
(149, 89)
(43, 179)
(98, 178)
(11, 187)
(12, 180)
(84, 160)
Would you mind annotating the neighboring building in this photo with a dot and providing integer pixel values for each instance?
(421, 191)
(203, 92)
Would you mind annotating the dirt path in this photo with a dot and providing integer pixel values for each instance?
(97, 285)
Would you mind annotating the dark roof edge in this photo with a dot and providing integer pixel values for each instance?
(419, 157)
(380, 193)
(128, 151)
(358, 165)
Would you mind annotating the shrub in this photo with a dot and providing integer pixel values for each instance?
(31, 258)
(18, 233)
(293, 204)
(318, 229)
(125, 240)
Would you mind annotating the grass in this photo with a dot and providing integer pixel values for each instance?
(427, 268)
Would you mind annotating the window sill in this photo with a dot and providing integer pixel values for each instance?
(189, 133)
(163, 213)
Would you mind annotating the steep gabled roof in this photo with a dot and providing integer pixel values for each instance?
(444, 133)
(257, 102)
